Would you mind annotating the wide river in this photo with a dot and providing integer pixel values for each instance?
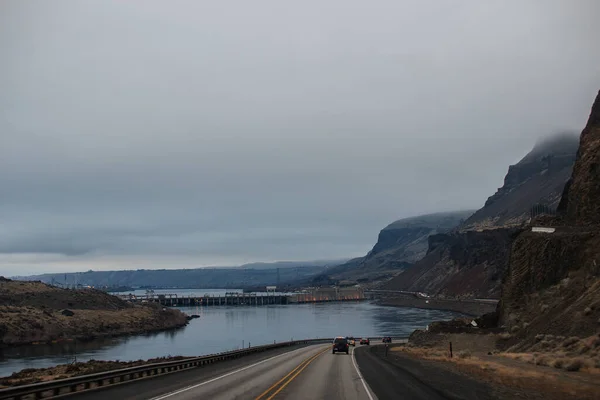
(223, 328)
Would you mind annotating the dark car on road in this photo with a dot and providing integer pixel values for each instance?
(387, 339)
(365, 341)
(340, 344)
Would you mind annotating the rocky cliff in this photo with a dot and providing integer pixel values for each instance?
(581, 199)
(398, 246)
(468, 264)
(471, 260)
(553, 281)
(539, 178)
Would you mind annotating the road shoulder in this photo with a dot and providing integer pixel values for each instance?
(395, 375)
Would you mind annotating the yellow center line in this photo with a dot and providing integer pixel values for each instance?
(303, 364)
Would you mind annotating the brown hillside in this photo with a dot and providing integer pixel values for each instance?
(35, 312)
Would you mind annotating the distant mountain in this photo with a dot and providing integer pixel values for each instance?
(293, 264)
(398, 246)
(202, 278)
(471, 260)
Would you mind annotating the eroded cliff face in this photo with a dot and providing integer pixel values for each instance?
(539, 178)
(553, 280)
(583, 194)
(467, 264)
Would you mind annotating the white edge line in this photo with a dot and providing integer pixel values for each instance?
(360, 376)
(224, 376)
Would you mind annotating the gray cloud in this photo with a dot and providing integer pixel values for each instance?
(195, 133)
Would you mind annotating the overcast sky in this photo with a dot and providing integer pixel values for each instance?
(141, 134)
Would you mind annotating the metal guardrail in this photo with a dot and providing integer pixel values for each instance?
(62, 387)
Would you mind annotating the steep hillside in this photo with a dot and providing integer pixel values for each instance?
(471, 260)
(539, 178)
(398, 246)
(553, 283)
(581, 198)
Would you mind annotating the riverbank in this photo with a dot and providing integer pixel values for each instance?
(36, 313)
(467, 307)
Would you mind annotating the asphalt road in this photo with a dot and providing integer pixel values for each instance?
(310, 372)
(304, 372)
(397, 377)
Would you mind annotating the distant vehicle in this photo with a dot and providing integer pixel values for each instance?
(365, 341)
(340, 344)
(387, 339)
(351, 341)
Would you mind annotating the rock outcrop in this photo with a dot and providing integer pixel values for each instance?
(583, 192)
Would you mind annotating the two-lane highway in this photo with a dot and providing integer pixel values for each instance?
(310, 372)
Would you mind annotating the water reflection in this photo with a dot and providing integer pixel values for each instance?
(227, 328)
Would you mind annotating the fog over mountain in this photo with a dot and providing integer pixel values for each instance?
(152, 134)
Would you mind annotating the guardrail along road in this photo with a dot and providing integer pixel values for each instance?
(292, 370)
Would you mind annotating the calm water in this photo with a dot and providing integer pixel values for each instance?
(228, 328)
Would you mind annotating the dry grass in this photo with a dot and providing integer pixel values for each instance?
(523, 377)
(464, 354)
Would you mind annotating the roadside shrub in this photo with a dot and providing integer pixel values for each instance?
(594, 342)
(464, 354)
(584, 349)
(570, 341)
(541, 360)
(539, 337)
(557, 363)
(514, 329)
(574, 365)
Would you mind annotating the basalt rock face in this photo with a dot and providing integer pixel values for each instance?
(553, 280)
(583, 193)
(539, 178)
(466, 264)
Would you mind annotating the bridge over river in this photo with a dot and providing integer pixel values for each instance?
(315, 295)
